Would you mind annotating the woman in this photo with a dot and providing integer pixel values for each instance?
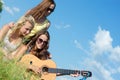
(13, 37)
(38, 46)
(40, 14)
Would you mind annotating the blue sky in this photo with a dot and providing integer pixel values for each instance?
(84, 34)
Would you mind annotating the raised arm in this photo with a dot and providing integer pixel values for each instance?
(5, 29)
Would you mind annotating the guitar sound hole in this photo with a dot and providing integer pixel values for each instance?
(45, 69)
(30, 62)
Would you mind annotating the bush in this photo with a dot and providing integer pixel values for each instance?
(10, 70)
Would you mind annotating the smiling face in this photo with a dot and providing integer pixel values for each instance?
(26, 28)
(41, 41)
(50, 9)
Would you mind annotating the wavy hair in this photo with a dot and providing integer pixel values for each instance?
(16, 28)
(34, 39)
(41, 53)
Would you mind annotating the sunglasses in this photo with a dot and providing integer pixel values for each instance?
(49, 9)
(42, 41)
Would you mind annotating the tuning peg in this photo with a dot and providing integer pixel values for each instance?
(86, 73)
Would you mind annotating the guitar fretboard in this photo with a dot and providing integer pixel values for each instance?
(67, 72)
(63, 71)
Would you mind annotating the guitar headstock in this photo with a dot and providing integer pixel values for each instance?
(86, 73)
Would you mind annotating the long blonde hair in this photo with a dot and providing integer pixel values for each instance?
(16, 28)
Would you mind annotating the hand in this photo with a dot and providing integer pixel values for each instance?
(11, 24)
(36, 69)
(75, 75)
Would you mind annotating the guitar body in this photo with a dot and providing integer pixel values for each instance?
(30, 59)
(48, 68)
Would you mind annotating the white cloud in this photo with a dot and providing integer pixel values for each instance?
(115, 54)
(8, 9)
(11, 10)
(104, 72)
(66, 26)
(104, 61)
(98, 70)
(16, 9)
(118, 70)
(102, 42)
(101, 45)
(62, 26)
(78, 45)
(114, 70)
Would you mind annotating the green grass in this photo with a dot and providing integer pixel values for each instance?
(10, 70)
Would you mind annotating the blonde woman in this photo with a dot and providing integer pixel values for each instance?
(12, 37)
(40, 14)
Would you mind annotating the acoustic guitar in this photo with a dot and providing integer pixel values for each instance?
(48, 68)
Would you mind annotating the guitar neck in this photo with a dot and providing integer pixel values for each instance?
(67, 71)
(62, 71)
